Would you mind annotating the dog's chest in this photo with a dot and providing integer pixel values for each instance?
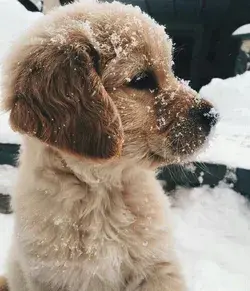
(100, 237)
(78, 254)
(89, 243)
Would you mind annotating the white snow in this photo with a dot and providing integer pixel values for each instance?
(211, 226)
(7, 178)
(6, 133)
(231, 142)
(14, 19)
(212, 232)
(244, 29)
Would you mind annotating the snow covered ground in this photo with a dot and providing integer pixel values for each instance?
(212, 226)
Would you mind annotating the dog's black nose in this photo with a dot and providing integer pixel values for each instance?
(204, 114)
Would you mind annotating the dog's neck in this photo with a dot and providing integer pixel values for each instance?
(86, 170)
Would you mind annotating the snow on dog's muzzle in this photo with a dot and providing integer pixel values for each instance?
(204, 115)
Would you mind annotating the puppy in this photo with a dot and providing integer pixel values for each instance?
(92, 90)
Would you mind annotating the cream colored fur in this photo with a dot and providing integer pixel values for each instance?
(49, 5)
(86, 224)
(90, 227)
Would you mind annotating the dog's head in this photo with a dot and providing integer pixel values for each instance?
(95, 80)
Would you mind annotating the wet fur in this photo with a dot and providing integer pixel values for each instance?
(89, 212)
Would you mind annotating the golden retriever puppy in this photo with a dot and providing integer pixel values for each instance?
(91, 89)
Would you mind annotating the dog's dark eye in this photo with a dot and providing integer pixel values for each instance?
(143, 81)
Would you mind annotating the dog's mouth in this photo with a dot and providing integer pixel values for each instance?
(182, 147)
(159, 160)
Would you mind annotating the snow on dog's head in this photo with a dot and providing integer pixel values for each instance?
(95, 80)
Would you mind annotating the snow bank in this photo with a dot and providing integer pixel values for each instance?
(244, 29)
(7, 178)
(6, 133)
(212, 232)
(231, 143)
(14, 19)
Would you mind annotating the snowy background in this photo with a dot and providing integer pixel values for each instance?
(212, 226)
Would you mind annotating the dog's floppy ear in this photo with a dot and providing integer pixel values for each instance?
(56, 95)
